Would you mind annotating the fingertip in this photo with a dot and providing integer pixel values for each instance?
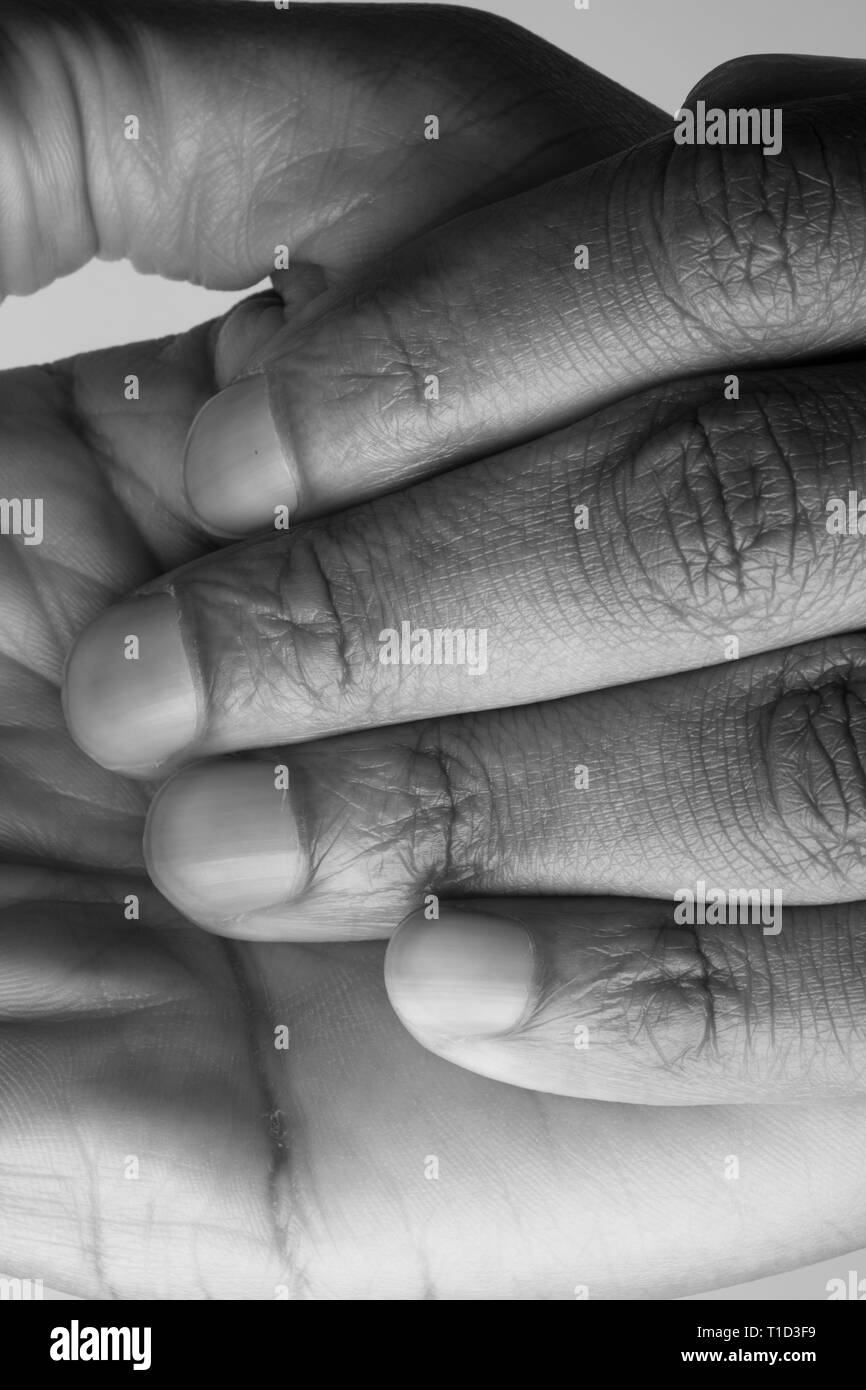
(223, 840)
(466, 975)
(128, 694)
(245, 331)
(238, 477)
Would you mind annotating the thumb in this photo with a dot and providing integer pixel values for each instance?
(211, 142)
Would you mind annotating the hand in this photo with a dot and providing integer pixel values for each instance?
(256, 128)
(156, 1140)
(706, 525)
(159, 1141)
(173, 1063)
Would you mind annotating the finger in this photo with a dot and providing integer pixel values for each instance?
(171, 1056)
(674, 531)
(491, 329)
(208, 151)
(246, 328)
(515, 1163)
(623, 1001)
(344, 838)
(774, 79)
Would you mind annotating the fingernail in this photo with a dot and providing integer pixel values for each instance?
(222, 840)
(467, 975)
(235, 470)
(128, 692)
(246, 329)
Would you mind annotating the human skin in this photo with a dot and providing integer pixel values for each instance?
(707, 528)
(262, 1170)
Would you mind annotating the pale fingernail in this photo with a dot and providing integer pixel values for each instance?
(467, 975)
(236, 474)
(245, 330)
(128, 692)
(222, 840)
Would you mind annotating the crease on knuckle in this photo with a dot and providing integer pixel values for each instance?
(812, 738)
(745, 243)
(719, 488)
(452, 810)
(387, 354)
(311, 627)
(677, 997)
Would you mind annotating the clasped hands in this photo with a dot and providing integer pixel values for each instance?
(473, 429)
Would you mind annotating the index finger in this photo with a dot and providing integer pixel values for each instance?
(516, 319)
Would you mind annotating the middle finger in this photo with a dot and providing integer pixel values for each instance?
(676, 530)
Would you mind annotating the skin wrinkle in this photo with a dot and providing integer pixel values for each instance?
(669, 418)
(674, 993)
(620, 497)
(789, 532)
(807, 805)
(817, 724)
(85, 429)
(854, 761)
(26, 576)
(344, 646)
(720, 261)
(670, 277)
(720, 956)
(656, 584)
(786, 470)
(19, 117)
(814, 714)
(432, 818)
(819, 978)
(312, 827)
(728, 793)
(736, 963)
(291, 669)
(481, 803)
(402, 366)
(850, 968)
(828, 190)
(693, 734)
(646, 248)
(585, 575)
(759, 734)
(458, 790)
(82, 182)
(718, 528)
(274, 1130)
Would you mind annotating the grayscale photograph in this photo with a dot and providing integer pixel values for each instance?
(433, 667)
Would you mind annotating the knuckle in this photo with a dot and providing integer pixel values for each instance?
(365, 368)
(385, 331)
(683, 999)
(813, 738)
(297, 626)
(706, 1005)
(452, 819)
(721, 491)
(744, 237)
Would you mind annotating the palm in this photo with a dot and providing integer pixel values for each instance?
(154, 1140)
(71, 833)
